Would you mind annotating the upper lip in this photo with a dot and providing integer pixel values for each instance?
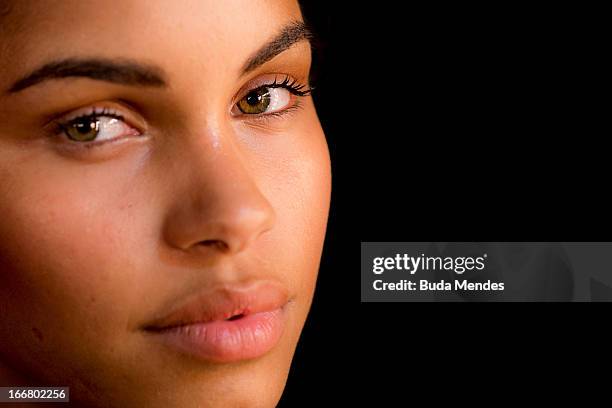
(222, 302)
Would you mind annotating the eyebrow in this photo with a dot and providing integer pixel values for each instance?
(128, 72)
(291, 34)
(115, 71)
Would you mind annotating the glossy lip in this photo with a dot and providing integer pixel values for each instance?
(226, 323)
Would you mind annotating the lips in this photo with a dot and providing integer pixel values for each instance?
(226, 323)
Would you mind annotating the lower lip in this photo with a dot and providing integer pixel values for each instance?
(225, 341)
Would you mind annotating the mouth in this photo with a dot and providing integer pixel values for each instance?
(227, 323)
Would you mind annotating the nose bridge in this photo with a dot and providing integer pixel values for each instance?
(219, 204)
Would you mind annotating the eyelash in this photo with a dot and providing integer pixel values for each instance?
(292, 85)
(95, 113)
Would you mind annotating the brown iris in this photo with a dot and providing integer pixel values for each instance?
(256, 101)
(83, 129)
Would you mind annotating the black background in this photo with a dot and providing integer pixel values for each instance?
(455, 122)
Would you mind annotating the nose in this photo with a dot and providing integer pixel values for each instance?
(216, 202)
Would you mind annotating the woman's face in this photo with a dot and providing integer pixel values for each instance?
(156, 155)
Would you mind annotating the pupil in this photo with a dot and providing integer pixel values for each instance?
(253, 98)
(85, 127)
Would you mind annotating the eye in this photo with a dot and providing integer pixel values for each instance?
(265, 99)
(97, 128)
(270, 95)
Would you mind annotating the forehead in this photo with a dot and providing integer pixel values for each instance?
(208, 35)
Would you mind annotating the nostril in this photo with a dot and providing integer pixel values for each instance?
(214, 243)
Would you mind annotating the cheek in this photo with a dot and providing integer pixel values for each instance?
(299, 189)
(62, 263)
